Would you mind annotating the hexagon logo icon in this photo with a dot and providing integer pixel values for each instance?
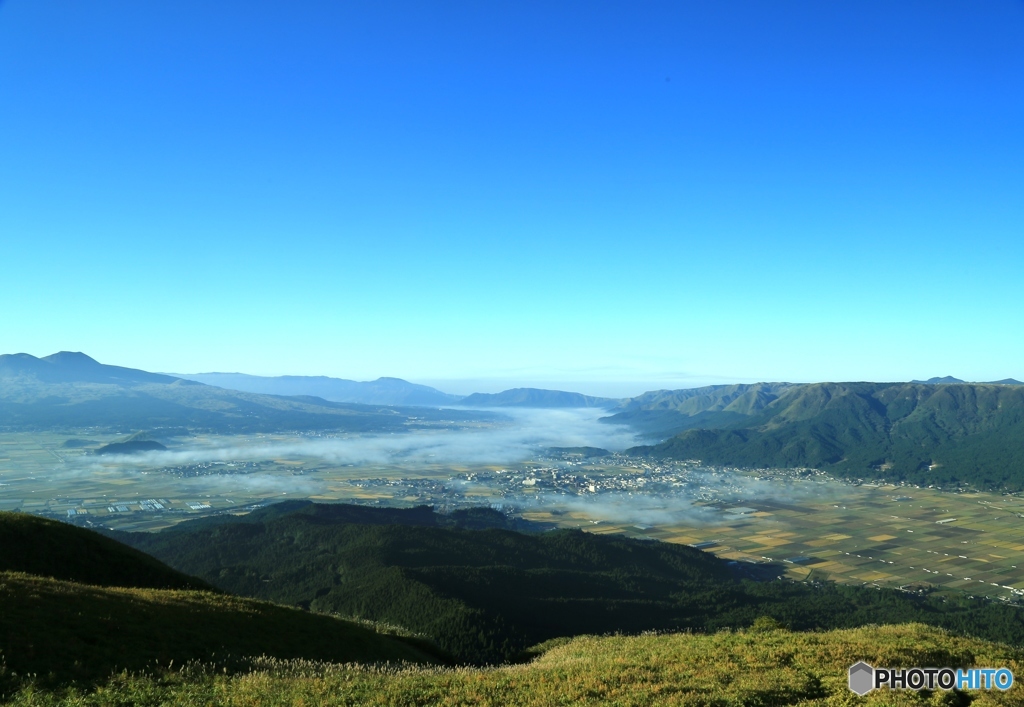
(862, 678)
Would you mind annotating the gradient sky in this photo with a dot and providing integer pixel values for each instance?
(635, 194)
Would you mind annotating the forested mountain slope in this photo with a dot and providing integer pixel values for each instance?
(485, 595)
(75, 605)
(949, 435)
(661, 413)
(46, 548)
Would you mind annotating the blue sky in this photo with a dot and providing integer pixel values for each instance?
(607, 195)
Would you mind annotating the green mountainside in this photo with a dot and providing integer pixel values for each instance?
(948, 435)
(486, 595)
(75, 605)
(69, 631)
(662, 413)
(47, 548)
(71, 390)
(66, 642)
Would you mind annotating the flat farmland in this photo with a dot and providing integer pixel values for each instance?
(808, 525)
(200, 475)
(891, 536)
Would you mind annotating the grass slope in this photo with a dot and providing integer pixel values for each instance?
(75, 605)
(50, 549)
(485, 595)
(68, 631)
(948, 435)
(729, 668)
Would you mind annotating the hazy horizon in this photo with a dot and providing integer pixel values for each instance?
(609, 388)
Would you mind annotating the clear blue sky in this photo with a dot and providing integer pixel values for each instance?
(517, 191)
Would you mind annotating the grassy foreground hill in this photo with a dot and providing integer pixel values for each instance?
(486, 594)
(774, 667)
(65, 631)
(75, 605)
(948, 435)
(46, 548)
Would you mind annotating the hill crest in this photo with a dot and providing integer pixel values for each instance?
(74, 367)
(536, 398)
(962, 434)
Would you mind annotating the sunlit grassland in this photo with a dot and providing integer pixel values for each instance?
(729, 668)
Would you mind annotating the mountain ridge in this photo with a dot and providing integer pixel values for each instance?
(74, 366)
(485, 592)
(79, 606)
(961, 434)
(537, 398)
(382, 391)
(72, 390)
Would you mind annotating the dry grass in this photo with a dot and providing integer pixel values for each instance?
(728, 668)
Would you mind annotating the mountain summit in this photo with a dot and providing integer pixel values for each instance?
(73, 367)
(70, 389)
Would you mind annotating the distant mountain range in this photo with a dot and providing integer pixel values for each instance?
(72, 367)
(946, 380)
(73, 390)
(383, 391)
(69, 390)
(536, 398)
(394, 391)
(941, 431)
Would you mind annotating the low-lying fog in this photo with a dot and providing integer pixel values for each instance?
(666, 497)
(526, 433)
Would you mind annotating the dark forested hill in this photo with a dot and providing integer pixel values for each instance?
(949, 435)
(50, 549)
(487, 594)
(75, 605)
